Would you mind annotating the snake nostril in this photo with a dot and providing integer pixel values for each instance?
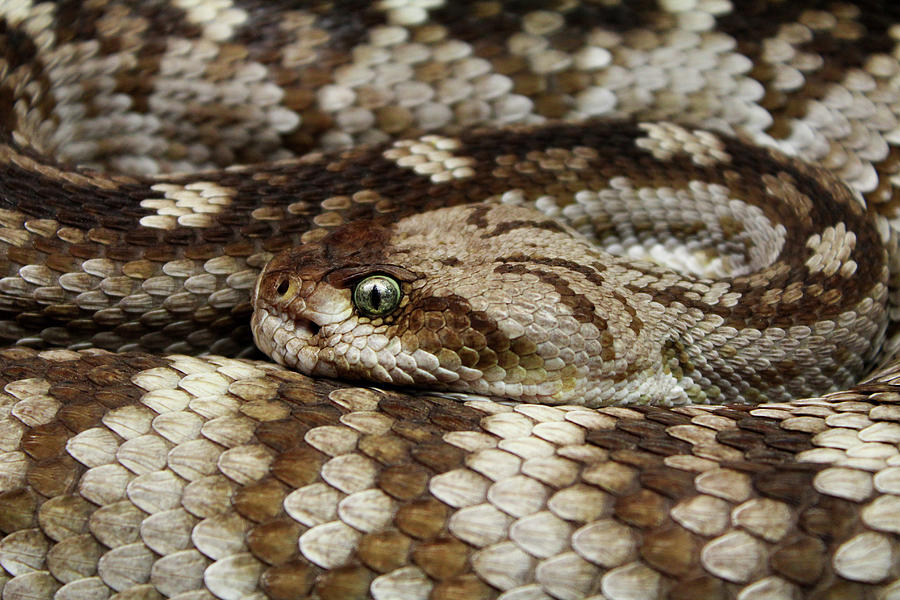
(283, 286)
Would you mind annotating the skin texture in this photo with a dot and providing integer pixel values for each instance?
(503, 301)
(130, 240)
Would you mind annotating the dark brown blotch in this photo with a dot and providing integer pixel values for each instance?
(801, 558)
(260, 501)
(789, 482)
(45, 441)
(298, 467)
(18, 510)
(442, 558)
(384, 551)
(290, 581)
(440, 457)
(55, 476)
(281, 435)
(350, 582)
(468, 587)
(507, 226)
(386, 449)
(404, 481)
(422, 519)
(643, 508)
(671, 550)
(275, 542)
(669, 482)
(705, 586)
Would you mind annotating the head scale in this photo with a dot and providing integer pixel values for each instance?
(452, 317)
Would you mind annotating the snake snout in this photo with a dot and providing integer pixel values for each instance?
(290, 294)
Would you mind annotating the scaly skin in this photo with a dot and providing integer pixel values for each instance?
(125, 225)
(504, 301)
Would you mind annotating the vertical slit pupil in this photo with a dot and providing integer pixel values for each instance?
(283, 287)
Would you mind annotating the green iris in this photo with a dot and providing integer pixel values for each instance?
(377, 295)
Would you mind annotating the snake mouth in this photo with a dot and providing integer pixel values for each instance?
(306, 328)
(290, 340)
(299, 328)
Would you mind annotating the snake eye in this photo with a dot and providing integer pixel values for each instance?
(377, 295)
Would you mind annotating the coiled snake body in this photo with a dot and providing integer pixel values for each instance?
(459, 151)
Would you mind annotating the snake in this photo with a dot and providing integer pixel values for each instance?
(560, 300)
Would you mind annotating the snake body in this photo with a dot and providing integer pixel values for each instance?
(515, 305)
(129, 469)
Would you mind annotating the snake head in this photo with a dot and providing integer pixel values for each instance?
(476, 298)
(307, 298)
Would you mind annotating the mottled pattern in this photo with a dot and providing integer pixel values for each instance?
(198, 478)
(117, 259)
(513, 304)
(150, 476)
